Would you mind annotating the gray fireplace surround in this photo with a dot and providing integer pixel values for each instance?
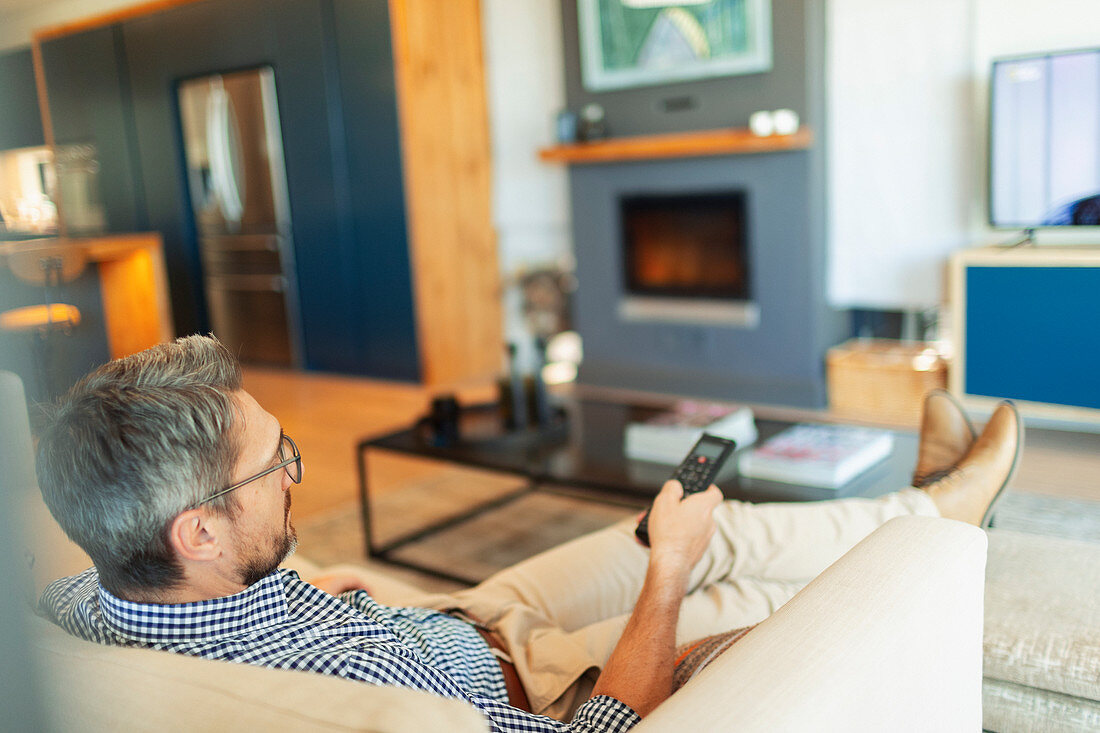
(770, 351)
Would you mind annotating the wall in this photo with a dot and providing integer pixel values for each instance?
(525, 80)
(900, 149)
(530, 200)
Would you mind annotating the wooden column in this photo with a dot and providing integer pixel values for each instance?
(447, 165)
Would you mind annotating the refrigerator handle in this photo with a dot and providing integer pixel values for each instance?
(224, 149)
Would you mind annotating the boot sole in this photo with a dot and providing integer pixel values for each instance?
(987, 518)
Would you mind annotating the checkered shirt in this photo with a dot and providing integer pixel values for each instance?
(286, 623)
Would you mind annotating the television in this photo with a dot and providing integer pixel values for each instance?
(1044, 140)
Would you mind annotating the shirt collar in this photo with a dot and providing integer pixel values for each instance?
(259, 605)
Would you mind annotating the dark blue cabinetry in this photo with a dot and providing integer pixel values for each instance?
(337, 106)
(20, 121)
(92, 122)
(370, 194)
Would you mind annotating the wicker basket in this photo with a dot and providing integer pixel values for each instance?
(881, 380)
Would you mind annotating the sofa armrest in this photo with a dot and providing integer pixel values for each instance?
(92, 687)
(887, 638)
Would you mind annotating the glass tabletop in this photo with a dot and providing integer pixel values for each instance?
(584, 449)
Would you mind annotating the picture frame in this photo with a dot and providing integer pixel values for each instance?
(633, 43)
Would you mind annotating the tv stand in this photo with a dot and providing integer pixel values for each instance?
(1028, 240)
(1023, 329)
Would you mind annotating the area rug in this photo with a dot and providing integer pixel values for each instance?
(476, 548)
(1071, 519)
(538, 521)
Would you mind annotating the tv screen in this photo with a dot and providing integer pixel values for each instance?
(1045, 141)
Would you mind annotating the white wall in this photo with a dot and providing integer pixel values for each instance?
(900, 149)
(526, 89)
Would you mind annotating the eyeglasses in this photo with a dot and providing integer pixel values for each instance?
(289, 458)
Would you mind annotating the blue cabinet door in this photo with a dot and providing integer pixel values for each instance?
(334, 79)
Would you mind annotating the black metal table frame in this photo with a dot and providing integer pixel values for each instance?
(533, 482)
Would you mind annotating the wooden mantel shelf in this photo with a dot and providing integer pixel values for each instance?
(726, 141)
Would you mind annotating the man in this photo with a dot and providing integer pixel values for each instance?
(177, 484)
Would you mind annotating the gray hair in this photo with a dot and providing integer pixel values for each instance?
(132, 445)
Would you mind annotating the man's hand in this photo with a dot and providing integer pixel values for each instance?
(338, 582)
(639, 671)
(680, 529)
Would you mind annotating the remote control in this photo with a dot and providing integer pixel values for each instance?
(696, 472)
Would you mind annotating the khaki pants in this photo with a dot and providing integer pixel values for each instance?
(561, 613)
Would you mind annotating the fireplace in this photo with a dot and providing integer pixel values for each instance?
(755, 329)
(686, 257)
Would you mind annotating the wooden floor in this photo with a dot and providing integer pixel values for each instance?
(327, 415)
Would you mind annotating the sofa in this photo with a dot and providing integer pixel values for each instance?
(887, 638)
(1042, 634)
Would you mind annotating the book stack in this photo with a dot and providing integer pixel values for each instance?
(827, 456)
(667, 437)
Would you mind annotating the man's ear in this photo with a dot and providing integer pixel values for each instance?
(193, 536)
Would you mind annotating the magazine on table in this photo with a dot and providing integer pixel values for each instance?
(667, 437)
(826, 456)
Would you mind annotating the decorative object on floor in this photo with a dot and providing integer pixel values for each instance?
(668, 436)
(828, 456)
(524, 401)
(630, 43)
(513, 395)
(545, 292)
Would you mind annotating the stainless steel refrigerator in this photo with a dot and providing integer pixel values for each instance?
(234, 153)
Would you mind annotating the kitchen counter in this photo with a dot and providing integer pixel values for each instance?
(133, 284)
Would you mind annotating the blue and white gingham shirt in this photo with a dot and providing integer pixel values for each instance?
(286, 623)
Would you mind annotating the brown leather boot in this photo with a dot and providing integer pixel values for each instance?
(969, 491)
(946, 435)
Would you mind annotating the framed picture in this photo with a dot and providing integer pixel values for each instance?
(631, 43)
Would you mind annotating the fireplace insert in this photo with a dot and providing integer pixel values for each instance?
(685, 245)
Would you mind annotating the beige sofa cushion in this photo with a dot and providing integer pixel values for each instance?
(1007, 707)
(90, 687)
(888, 638)
(1042, 616)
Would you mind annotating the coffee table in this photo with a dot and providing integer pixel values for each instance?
(582, 455)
